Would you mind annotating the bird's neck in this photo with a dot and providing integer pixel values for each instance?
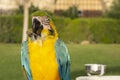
(43, 40)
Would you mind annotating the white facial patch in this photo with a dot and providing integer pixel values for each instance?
(44, 20)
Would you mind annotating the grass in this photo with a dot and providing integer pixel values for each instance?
(99, 53)
(10, 68)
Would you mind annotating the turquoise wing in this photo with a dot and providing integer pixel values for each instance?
(25, 60)
(63, 59)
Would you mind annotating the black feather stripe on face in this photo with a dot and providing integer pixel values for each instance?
(37, 27)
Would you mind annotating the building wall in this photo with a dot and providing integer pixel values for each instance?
(8, 4)
(44, 4)
(83, 4)
(59, 4)
(89, 8)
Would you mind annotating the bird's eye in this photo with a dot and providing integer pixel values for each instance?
(46, 21)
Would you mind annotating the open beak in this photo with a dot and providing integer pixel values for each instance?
(37, 27)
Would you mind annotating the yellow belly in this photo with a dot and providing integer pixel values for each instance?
(43, 62)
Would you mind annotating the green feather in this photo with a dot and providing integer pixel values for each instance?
(40, 13)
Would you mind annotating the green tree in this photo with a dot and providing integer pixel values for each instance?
(72, 12)
(32, 9)
(114, 12)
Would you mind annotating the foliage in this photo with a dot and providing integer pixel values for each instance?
(114, 12)
(32, 9)
(75, 31)
(98, 30)
(20, 10)
(72, 12)
(105, 31)
(95, 30)
(11, 28)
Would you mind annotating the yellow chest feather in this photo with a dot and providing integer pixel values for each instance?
(43, 61)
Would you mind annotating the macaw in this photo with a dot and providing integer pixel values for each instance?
(43, 55)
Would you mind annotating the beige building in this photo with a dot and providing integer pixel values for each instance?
(65, 4)
(86, 7)
(59, 4)
(8, 4)
(52, 5)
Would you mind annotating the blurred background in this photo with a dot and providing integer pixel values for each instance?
(90, 28)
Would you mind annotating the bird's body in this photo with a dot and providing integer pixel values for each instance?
(43, 55)
(43, 62)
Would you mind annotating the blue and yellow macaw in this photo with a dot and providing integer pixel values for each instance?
(44, 56)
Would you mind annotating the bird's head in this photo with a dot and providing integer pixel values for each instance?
(42, 25)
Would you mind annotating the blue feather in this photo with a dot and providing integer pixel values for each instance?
(25, 60)
(63, 59)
